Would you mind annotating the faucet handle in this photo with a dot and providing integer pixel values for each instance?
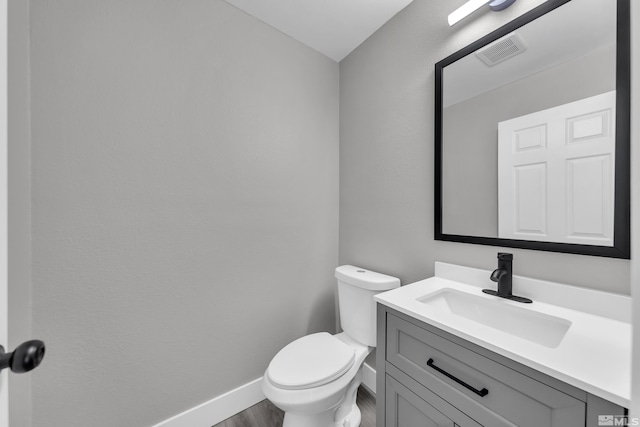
(504, 256)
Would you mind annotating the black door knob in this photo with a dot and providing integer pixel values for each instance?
(25, 357)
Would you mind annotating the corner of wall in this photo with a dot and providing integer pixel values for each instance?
(19, 201)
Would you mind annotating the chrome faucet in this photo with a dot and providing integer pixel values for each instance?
(504, 276)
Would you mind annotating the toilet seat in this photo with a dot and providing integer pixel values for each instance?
(310, 361)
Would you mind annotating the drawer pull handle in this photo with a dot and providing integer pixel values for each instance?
(481, 393)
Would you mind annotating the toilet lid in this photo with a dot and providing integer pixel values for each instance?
(310, 361)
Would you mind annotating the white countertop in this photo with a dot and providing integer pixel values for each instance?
(594, 355)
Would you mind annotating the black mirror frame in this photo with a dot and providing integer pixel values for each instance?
(622, 210)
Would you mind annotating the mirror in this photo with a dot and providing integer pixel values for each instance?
(532, 133)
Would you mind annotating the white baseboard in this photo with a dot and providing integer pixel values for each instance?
(219, 408)
(227, 405)
(369, 377)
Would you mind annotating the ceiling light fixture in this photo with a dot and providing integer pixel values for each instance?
(472, 5)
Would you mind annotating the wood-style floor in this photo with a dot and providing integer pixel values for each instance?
(264, 414)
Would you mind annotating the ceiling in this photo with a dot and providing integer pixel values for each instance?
(332, 27)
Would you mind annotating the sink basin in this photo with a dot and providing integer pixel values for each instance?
(540, 328)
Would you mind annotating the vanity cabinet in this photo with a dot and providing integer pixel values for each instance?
(405, 408)
(429, 377)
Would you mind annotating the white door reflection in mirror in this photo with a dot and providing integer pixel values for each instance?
(556, 173)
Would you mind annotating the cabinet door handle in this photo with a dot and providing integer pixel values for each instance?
(481, 393)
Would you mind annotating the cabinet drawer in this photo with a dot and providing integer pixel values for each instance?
(453, 372)
(407, 409)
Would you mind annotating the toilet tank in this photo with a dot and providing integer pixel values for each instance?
(356, 288)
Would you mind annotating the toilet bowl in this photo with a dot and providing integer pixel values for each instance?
(315, 379)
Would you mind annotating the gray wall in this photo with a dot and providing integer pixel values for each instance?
(386, 155)
(19, 195)
(470, 134)
(185, 204)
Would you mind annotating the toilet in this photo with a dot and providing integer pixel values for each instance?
(315, 379)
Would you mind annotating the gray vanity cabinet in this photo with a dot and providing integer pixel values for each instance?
(404, 408)
(429, 377)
